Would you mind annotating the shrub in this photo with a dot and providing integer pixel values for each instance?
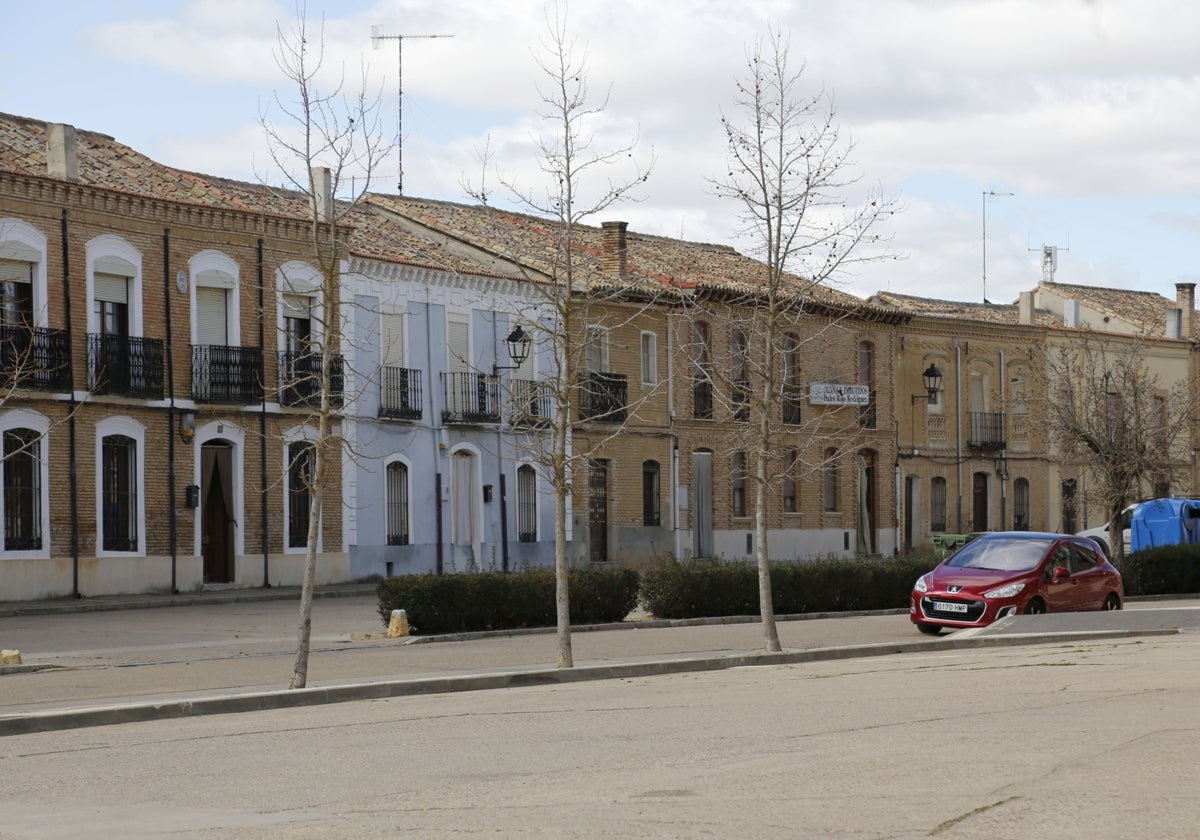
(701, 588)
(497, 601)
(1166, 570)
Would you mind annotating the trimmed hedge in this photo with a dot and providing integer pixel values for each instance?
(1166, 570)
(464, 603)
(709, 588)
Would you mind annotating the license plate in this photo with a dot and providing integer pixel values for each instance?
(949, 606)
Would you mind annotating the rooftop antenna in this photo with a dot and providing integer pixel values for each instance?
(987, 193)
(377, 39)
(1049, 261)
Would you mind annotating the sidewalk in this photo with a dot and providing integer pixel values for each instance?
(159, 662)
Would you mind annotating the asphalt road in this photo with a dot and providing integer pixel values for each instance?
(1052, 740)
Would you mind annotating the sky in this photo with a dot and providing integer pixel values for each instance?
(1086, 111)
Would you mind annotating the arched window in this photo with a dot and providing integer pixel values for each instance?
(831, 480)
(702, 396)
(1021, 504)
(866, 376)
(790, 465)
(299, 472)
(119, 487)
(396, 491)
(738, 480)
(651, 489)
(937, 504)
(22, 490)
(791, 378)
(526, 504)
(739, 346)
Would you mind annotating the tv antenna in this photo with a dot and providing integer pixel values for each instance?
(377, 39)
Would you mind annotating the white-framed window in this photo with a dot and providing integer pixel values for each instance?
(114, 287)
(396, 496)
(24, 489)
(120, 479)
(23, 260)
(216, 305)
(649, 358)
(597, 348)
(299, 453)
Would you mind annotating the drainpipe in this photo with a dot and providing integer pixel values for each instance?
(1004, 452)
(173, 516)
(71, 429)
(434, 429)
(958, 431)
(262, 421)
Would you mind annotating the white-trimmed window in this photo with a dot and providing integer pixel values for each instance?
(24, 489)
(649, 358)
(597, 349)
(23, 261)
(114, 287)
(120, 477)
(216, 304)
(526, 504)
(396, 495)
(300, 455)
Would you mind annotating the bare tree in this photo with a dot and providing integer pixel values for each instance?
(789, 172)
(573, 279)
(328, 149)
(1109, 414)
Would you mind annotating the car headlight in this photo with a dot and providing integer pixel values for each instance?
(922, 584)
(1008, 591)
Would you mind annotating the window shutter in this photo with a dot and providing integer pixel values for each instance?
(459, 338)
(20, 272)
(212, 323)
(391, 335)
(111, 288)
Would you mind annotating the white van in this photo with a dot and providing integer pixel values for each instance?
(1100, 534)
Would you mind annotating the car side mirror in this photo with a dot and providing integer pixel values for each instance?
(1060, 574)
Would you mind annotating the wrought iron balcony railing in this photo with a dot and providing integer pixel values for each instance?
(222, 374)
(471, 398)
(603, 397)
(399, 394)
(126, 366)
(987, 430)
(531, 403)
(300, 379)
(35, 357)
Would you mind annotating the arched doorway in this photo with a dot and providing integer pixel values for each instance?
(218, 522)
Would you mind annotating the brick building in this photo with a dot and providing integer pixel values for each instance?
(154, 435)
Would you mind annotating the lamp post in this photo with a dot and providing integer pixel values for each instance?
(932, 380)
(987, 193)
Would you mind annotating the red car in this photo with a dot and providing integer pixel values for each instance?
(1003, 573)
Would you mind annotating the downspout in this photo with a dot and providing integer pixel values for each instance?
(1004, 452)
(675, 546)
(173, 516)
(71, 429)
(262, 419)
(958, 432)
(437, 501)
(500, 457)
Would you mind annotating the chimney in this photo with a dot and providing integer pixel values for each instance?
(1025, 309)
(1070, 313)
(322, 186)
(1185, 299)
(62, 152)
(612, 248)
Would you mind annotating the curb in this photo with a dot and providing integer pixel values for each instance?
(289, 699)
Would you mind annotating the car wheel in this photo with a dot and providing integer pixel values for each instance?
(931, 629)
(1035, 607)
(1112, 602)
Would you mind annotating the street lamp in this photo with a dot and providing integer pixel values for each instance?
(932, 380)
(518, 350)
(987, 193)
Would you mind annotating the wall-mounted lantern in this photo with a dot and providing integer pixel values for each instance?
(518, 344)
(932, 380)
(187, 426)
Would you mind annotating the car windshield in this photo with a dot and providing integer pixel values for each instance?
(1003, 554)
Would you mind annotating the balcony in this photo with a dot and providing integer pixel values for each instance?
(222, 374)
(987, 430)
(471, 398)
(531, 403)
(603, 397)
(35, 357)
(300, 379)
(399, 393)
(125, 366)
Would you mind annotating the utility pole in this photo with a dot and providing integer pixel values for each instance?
(377, 37)
(987, 193)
